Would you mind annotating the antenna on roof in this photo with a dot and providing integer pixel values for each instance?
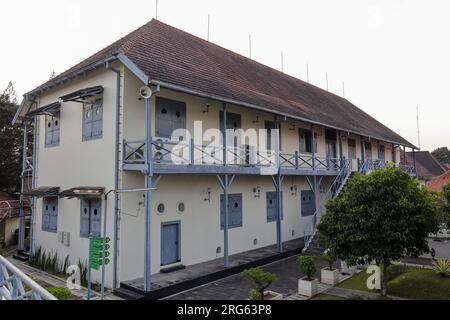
(326, 75)
(282, 61)
(156, 12)
(418, 130)
(250, 46)
(208, 26)
(307, 73)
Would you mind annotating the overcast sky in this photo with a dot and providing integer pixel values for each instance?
(393, 55)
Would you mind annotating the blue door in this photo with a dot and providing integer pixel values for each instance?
(170, 243)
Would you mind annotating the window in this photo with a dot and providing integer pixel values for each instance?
(52, 123)
(351, 149)
(234, 210)
(272, 206)
(308, 203)
(90, 217)
(170, 115)
(269, 126)
(50, 214)
(305, 141)
(381, 152)
(368, 150)
(93, 120)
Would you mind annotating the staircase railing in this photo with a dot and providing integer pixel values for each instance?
(16, 285)
(334, 190)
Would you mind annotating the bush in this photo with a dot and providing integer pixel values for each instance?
(60, 293)
(261, 281)
(441, 267)
(48, 262)
(307, 266)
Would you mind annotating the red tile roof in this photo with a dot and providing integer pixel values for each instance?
(438, 183)
(172, 56)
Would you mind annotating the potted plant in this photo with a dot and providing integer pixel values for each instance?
(329, 275)
(261, 281)
(307, 286)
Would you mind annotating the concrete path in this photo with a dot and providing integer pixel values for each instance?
(48, 280)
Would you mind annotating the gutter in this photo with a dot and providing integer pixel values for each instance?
(116, 174)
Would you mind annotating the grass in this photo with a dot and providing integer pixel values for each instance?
(406, 282)
(324, 296)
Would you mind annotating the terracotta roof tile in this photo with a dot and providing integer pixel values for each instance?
(170, 55)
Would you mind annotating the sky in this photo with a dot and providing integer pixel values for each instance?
(392, 55)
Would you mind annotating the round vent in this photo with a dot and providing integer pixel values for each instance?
(181, 207)
(161, 208)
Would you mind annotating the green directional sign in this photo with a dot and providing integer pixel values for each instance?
(96, 253)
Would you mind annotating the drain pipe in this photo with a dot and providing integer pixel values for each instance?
(116, 175)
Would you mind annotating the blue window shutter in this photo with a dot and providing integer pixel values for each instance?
(96, 217)
(87, 121)
(45, 214)
(97, 118)
(271, 206)
(55, 131)
(48, 130)
(84, 218)
(222, 211)
(53, 215)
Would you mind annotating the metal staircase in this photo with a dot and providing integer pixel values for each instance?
(334, 190)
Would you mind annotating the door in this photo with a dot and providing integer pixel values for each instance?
(331, 154)
(170, 243)
(272, 206)
(170, 115)
(233, 139)
(234, 210)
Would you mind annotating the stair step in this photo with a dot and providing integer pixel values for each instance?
(127, 294)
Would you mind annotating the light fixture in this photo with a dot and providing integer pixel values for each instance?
(257, 192)
(257, 119)
(292, 127)
(206, 110)
(207, 195)
(293, 189)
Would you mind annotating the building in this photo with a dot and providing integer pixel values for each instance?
(427, 166)
(438, 183)
(9, 217)
(96, 131)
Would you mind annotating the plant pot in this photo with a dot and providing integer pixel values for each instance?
(308, 288)
(345, 269)
(330, 276)
(271, 295)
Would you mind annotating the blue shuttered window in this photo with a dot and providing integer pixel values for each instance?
(272, 206)
(308, 203)
(234, 210)
(90, 217)
(93, 120)
(52, 123)
(50, 214)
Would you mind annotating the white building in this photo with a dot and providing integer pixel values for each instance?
(94, 132)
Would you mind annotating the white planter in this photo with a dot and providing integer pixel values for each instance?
(271, 295)
(308, 288)
(330, 276)
(345, 269)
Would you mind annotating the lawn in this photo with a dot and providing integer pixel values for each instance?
(407, 282)
(324, 296)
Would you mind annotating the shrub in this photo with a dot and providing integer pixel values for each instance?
(441, 267)
(261, 281)
(330, 258)
(60, 293)
(307, 266)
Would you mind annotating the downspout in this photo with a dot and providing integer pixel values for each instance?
(116, 175)
(33, 181)
(21, 246)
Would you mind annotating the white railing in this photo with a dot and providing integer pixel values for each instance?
(16, 285)
(334, 190)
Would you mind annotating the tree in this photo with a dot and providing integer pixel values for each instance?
(10, 143)
(379, 217)
(261, 281)
(442, 155)
(446, 205)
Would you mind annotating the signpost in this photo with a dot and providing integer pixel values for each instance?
(97, 256)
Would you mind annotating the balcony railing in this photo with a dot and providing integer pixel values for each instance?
(189, 153)
(368, 165)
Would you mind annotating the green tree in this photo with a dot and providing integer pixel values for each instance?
(442, 155)
(10, 143)
(261, 281)
(379, 217)
(446, 204)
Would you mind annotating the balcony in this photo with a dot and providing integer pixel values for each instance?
(369, 165)
(174, 157)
